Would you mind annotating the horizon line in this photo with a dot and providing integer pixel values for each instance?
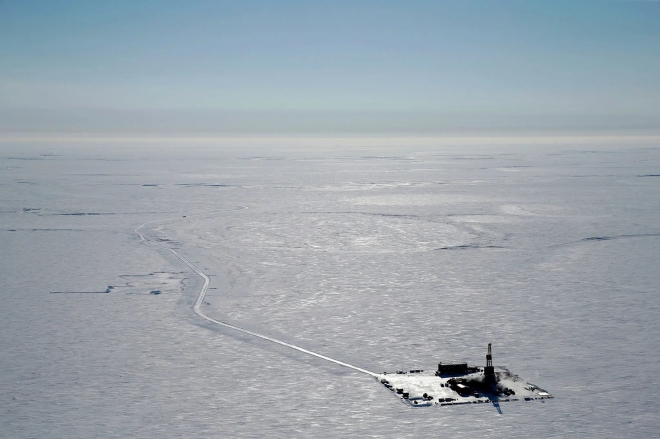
(459, 139)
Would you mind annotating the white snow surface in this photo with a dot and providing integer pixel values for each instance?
(379, 258)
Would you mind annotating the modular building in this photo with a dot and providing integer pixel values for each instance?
(452, 369)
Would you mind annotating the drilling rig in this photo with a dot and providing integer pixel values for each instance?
(489, 370)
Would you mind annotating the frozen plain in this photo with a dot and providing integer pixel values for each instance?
(386, 258)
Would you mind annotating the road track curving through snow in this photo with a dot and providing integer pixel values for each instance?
(199, 312)
(200, 299)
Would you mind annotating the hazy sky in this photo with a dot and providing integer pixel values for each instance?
(333, 66)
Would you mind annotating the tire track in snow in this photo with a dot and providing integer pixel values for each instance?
(200, 313)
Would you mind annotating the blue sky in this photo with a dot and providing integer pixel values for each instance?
(335, 66)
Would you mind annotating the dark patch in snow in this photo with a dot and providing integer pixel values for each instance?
(484, 157)
(82, 214)
(56, 230)
(25, 158)
(608, 238)
(79, 292)
(468, 247)
(45, 230)
(204, 185)
(396, 215)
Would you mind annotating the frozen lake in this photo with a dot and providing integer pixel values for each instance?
(383, 257)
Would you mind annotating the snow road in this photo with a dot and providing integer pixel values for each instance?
(200, 313)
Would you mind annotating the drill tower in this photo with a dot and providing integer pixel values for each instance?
(489, 370)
